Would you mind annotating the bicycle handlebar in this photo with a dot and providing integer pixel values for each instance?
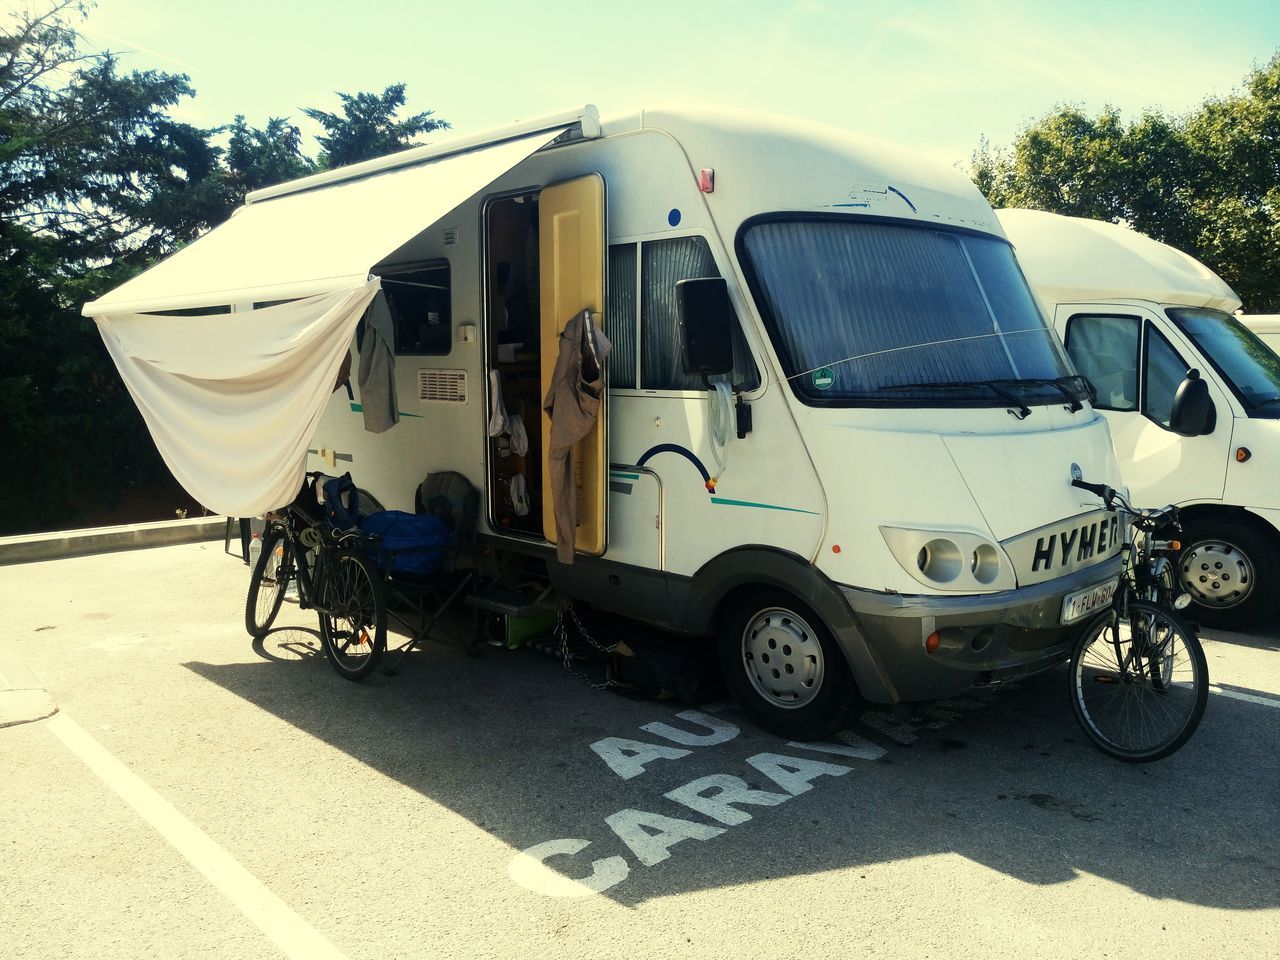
(1143, 519)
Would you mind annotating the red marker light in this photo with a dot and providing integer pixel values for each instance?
(1243, 454)
(932, 642)
(707, 180)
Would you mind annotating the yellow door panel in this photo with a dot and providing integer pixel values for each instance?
(571, 254)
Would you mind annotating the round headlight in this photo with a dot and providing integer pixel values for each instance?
(939, 560)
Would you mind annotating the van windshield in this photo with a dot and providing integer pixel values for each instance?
(1249, 366)
(868, 312)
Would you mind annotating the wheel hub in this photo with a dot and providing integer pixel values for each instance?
(782, 657)
(1217, 573)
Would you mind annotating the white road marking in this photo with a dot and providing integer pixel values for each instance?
(1248, 697)
(294, 936)
(854, 746)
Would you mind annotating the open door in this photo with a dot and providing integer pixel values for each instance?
(571, 256)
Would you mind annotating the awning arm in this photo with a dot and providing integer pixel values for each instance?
(584, 124)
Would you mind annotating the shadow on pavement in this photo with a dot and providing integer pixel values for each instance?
(1011, 783)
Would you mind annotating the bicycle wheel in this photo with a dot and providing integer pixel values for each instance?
(353, 614)
(271, 576)
(1139, 683)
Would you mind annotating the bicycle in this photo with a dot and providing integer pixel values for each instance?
(341, 584)
(1138, 675)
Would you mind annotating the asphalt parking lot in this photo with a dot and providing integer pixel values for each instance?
(197, 796)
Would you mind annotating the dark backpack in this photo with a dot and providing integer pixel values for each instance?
(341, 502)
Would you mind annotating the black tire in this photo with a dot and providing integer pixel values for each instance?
(774, 649)
(271, 576)
(1230, 569)
(353, 614)
(1145, 707)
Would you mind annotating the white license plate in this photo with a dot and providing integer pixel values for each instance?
(1077, 605)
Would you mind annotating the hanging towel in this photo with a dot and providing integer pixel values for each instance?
(519, 436)
(497, 407)
(377, 378)
(573, 403)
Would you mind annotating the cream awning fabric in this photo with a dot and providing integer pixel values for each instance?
(233, 400)
(316, 241)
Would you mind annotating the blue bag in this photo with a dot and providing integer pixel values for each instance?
(340, 502)
(411, 543)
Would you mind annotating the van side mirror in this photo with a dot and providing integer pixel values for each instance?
(707, 319)
(1192, 414)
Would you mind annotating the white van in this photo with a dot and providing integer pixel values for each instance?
(1138, 318)
(894, 518)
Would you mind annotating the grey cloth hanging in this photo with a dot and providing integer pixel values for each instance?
(377, 375)
(573, 403)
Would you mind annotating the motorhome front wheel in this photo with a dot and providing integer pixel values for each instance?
(784, 667)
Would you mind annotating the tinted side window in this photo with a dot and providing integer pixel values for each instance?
(1105, 349)
(1164, 371)
(663, 264)
(620, 316)
(421, 306)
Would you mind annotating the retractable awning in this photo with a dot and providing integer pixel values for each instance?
(232, 398)
(316, 241)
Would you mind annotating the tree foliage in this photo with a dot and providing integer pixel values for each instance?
(1207, 183)
(97, 181)
(367, 126)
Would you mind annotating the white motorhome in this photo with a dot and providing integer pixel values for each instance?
(880, 505)
(1138, 317)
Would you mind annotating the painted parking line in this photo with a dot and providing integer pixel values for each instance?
(294, 936)
(1247, 697)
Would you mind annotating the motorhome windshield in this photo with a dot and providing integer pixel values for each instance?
(869, 312)
(1248, 365)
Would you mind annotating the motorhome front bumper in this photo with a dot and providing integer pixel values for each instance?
(982, 639)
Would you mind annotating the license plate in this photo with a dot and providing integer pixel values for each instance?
(1077, 605)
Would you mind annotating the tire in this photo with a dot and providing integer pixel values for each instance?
(353, 614)
(1231, 571)
(270, 579)
(784, 668)
(1145, 707)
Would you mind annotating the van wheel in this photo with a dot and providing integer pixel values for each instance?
(784, 668)
(1230, 570)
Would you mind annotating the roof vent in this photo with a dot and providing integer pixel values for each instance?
(442, 386)
(450, 236)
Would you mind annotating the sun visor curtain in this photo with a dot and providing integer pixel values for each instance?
(232, 400)
(310, 242)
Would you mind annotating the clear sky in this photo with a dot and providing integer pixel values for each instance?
(930, 75)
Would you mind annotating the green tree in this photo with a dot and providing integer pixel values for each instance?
(368, 127)
(1207, 183)
(257, 158)
(95, 181)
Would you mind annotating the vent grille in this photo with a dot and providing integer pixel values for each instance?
(442, 386)
(450, 236)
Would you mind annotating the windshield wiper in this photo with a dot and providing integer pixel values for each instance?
(1063, 385)
(995, 386)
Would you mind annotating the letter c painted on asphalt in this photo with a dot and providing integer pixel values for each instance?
(529, 869)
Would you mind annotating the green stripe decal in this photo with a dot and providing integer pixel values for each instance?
(359, 407)
(624, 476)
(762, 506)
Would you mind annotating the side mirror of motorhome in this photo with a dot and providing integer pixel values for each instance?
(1192, 414)
(707, 319)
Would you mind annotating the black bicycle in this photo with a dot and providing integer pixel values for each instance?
(1139, 680)
(334, 577)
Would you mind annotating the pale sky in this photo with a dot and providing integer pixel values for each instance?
(929, 75)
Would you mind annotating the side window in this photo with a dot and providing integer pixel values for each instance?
(1105, 349)
(1163, 372)
(663, 263)
(421, 306)
(620, 316)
